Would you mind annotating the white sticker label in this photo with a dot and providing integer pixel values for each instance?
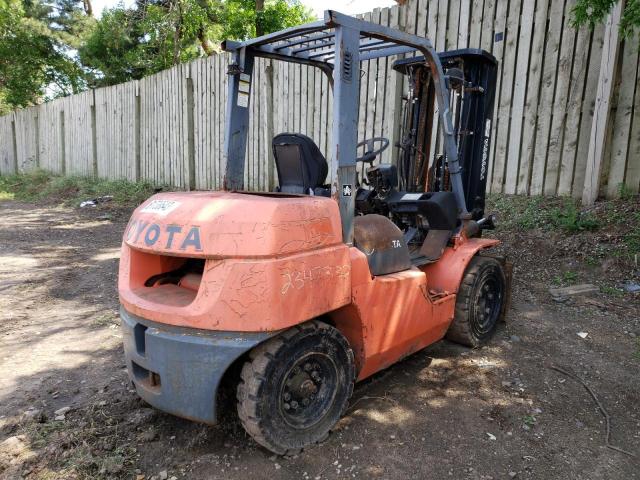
(412, 196)
(160, 207)
(244, 77)
(243, 100)
(244, 87)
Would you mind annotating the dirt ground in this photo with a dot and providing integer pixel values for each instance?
(446, 412)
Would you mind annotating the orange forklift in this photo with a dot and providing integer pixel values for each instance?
(289, 297)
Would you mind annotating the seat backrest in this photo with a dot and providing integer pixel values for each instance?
(300, 164)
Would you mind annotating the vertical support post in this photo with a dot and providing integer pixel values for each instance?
(602, 109)
(191, 150)
(235, 140)
(138, 131)
(37, 129)
(94, 135)
(63, 153)
(450, 147)
(271, 183)
(14, 140)
(346, 75)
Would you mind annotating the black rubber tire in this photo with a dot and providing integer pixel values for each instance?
(483, 276)
(267, 376)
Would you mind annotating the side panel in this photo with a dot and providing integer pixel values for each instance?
(445, 275)
(391, 316)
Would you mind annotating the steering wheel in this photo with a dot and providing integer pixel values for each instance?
(370, 154)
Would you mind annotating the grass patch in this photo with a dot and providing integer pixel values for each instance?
(566, 278)
(613, 291)
(40, 186)
(548, 213)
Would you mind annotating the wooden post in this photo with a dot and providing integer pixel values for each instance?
(601, 116)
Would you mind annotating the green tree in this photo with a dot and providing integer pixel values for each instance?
(37, 45)
(592, 12)
(130, 43)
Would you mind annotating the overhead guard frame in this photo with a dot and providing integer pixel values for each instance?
(336, 45)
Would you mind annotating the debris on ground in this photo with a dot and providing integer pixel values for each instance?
(573, 290)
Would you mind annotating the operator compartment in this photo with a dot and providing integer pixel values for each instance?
(207, 259)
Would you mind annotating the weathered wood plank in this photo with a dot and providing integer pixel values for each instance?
(623, 117)
(601, 117)
(497, 42)
(506, 96)
(545, 107)
(575, 99)
(533, 96)
(519, 95)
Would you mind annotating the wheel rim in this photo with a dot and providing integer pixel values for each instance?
(487, 303)
(308, 390)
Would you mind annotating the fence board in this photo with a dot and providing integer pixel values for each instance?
(575, 99)
(533, 94)
(7, 146)
(506, 96)
(169, 128)
(550, 68)
(497, 40)
(623, 116)
(558, 119)
(518, 100)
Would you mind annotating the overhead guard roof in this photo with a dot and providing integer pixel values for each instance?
(314, 43)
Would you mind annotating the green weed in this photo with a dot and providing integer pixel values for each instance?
(625, 192)
(567, 277)
(614, 292)
(570, 219)
(41, 185)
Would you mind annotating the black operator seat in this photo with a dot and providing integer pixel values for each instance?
(301, 167)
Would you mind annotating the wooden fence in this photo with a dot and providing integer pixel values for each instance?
(567, 119)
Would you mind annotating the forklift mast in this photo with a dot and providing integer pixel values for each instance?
(471, 76)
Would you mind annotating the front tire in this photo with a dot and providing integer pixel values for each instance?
(479, 302)
(296, 387)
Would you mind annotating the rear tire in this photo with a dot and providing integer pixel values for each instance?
(296, 387)
(478, 303)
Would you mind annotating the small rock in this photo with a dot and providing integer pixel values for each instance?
(148, 435)
(277, 465)
(62, 411)
(59, 418)
(631, 287)
(163, 475)
(512, 474)
(491, 436)
(514, 338)
(583, 334)
(35, 415)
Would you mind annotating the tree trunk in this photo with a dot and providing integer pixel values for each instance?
(88, 8)
(259, 19)
(206, 45)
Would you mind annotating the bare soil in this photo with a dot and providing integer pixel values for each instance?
(445, 412)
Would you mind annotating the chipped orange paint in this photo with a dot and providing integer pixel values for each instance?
(274, 261)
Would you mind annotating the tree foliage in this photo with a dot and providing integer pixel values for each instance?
(37, 40)
(51, 48)
(130, 43)
(592, 12)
